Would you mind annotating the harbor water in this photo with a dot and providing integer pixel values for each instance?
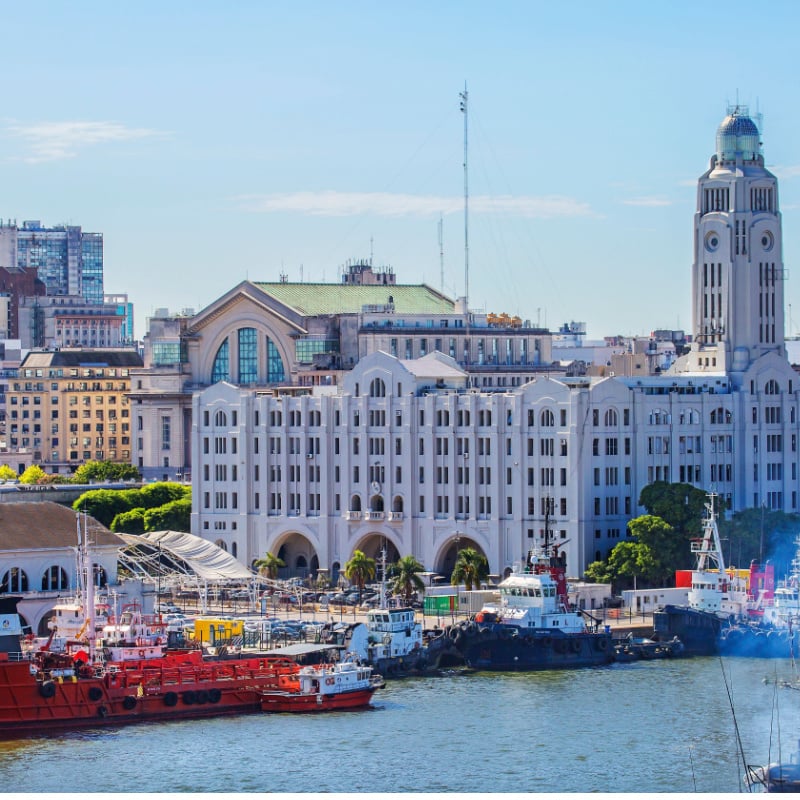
(647, 726)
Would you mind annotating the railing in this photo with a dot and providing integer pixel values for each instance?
(373, 516)
(395, 516)
(353, 516)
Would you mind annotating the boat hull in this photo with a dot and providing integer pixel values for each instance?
(503, 648)
(141, 692)
(314, 703)
(706, 634)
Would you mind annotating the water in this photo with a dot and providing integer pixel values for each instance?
(659, 726)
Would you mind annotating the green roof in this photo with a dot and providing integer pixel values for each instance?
(318, 299)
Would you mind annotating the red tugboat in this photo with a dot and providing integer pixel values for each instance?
(121, 673)
(44, 692)
(342, 686)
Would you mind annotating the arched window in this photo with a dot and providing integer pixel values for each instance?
(611, 419)
(689, 416)
(547, 419)
(376, 503)
(397, 504)
(234, 549)
(658, 417)
(355, 502)
(222, 546)
(222, 366)
(220, 420)
(248, 356)
(54, 578)
(772, 388)
(377, 388)
(14, 580)
(275, 370)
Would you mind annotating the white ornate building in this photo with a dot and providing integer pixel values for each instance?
(412, 456)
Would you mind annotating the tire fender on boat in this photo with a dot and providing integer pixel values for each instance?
(129, 702)
(47, 689)
(95, 693)
(189, 698)
(214, 695)
(171, 699)
(602, 644)
(576, 645)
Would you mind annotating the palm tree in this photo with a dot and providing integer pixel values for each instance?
(358, 570)
(471, 569)
(405, 577)
(269, 565)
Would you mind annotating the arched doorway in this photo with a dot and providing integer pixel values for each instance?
(446, 562)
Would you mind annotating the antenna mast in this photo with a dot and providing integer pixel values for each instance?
(441, 259)
(465, 111)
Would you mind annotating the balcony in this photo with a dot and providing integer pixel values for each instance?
(352, 516)
(395, 516)
(374, 516)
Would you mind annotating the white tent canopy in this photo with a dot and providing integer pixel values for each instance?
(174, 554)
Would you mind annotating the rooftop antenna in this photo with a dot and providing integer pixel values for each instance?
(465, 111)
(371, 250)
(441, 254)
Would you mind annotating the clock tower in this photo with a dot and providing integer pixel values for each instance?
(737, 274)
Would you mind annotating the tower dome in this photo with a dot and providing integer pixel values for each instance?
(739, 136)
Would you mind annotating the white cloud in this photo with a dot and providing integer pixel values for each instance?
(346, 204)
(785, 172)
(648, 202)
(53, 141)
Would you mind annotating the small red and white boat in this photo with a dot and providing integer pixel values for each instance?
(325, 687)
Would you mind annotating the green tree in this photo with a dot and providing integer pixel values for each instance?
(105, 504)
(758, 534)
(34, 474)
(95, 471)
(471, 569)
(269, 565)
(405, 579)
(173, 516)
(6, 473)
(680, 505)
(129, 522)
(358, 570)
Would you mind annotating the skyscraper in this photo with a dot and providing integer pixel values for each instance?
(68, 260)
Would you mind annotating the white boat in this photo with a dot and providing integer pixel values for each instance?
(713, 588)
(785, 609)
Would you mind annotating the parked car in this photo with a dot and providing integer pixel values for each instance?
(167, 608)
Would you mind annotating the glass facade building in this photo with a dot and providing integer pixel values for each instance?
(68, 260)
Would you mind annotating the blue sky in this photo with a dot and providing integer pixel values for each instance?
(214, 142)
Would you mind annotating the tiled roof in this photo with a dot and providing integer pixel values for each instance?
(317, 299)
(46, 525)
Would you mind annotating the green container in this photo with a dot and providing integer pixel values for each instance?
(440, 604)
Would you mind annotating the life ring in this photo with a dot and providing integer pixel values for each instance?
(171, 699)
(95, 693)
(329, 681)
(189, 698)
(214, 695)
(141, 654)
(47, 689)
(129, 702)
